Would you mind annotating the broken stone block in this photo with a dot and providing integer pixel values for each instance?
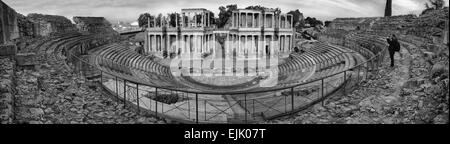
(26, 59)
(8, 50)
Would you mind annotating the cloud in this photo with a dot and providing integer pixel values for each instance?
(129, 10)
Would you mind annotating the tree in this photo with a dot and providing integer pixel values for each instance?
(198, 18)
(327, 23)
(158, 20)
(173, 19)
(298, 19)
(435, 5)
(313, 22)
(143, 20)
(257, 7)
(225, 14)
(212, 19)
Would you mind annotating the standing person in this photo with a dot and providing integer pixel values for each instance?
(394, 46)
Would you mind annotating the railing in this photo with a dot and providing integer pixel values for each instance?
(189, 106)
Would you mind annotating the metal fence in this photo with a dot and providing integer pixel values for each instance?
(245, 107)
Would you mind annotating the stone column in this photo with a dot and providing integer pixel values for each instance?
(176, 44)
(146, 42)
(188, 20)
(244, 45)
(196, 46)
(214, 44)
(159, 43)
(248, 44)
(176, 20)
(167, 41)
(281, 39)
(254, 20)
(203, 43)
(156, 43)
(205, 40)
(239, 44)
(279, 21)
(182, 20)
(273, 21)
(183, 43)
(286, 21)
(286, 46)
(246, 21)
(192, 44)
(264, 45)
(207, 19)
(151, 43)
(292, 21)
(291, 42)
(186, 44)
(263, 22)
(203, 20)
(238, 19)
(232, 19)
(271, 46)
(149, 46)
(252, 45)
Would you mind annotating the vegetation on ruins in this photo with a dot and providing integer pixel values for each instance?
(173, 18)
(165, 98)
(144, 18)
(298, 23)
(435, 5)
(313, 22)
(167, 20)
(225, 14)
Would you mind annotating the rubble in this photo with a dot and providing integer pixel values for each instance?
(6, 91)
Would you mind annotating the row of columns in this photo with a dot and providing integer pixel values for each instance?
(255, 44)
(240, 19)
(242, 44)
(205, 19)
(174, 43)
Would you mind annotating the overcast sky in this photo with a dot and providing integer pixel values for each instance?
(129, 10)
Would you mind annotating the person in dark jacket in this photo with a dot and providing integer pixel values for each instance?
(394, 46)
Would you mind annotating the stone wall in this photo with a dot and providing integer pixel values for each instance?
(6, 90)
(430, 25)
(46, 25)
(353, 23)
(8, 24)
(8, 50)
(398, 24)
(94, 25)
(26, 27)
(445, 37)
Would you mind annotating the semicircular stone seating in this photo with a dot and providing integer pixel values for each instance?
(305, 70)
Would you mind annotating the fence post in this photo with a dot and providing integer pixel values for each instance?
(285, 104)
(124, 93)
(245, 105)
(189, 105)
(359, 72)
(137, 97)
(322, 94)
(204, 102)
(345, 80)
(196, 108)
(101, 82)
(292, 99)
(253, 114)
(156, 102)
(117, 89)
(367, 71)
